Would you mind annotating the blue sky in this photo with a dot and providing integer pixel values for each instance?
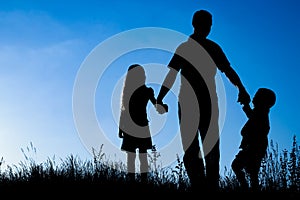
(43, 45)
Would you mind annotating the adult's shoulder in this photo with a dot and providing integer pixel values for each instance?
(182, 45)
(213, 43)
(192, 43)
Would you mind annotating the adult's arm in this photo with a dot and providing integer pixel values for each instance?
(167, 85)
(243, 97)
(165, 88)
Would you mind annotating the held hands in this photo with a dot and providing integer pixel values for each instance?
(121, 134)
(243, 97)
(161, 108)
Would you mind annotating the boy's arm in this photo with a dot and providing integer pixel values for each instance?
(248, 110)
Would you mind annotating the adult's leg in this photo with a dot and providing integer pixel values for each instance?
(212, 166)
(209, 131)
(194, 165)
(192, 158)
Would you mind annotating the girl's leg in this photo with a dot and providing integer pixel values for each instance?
(143, 165)
(131, 165)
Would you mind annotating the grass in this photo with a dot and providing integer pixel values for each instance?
(279, 175)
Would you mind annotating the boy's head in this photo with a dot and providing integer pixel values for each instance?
(264, 97)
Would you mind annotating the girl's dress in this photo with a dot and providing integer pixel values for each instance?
(134, 122)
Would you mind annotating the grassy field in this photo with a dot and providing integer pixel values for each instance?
(279, 177)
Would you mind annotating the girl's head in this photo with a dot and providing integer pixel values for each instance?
(136, 75)
(264, 98)
(134, 79)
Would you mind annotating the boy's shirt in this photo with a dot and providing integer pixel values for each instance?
(256, 129)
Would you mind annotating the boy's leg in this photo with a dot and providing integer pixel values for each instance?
(238, 166)
(253, 172)
(254, 181)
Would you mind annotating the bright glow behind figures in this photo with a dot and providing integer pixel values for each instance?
(89, 127)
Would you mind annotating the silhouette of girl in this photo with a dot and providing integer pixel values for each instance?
(133, 124)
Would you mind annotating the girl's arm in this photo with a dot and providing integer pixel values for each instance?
(152, 97)
(160, 107)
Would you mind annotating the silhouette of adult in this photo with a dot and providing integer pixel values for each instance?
(197, 60)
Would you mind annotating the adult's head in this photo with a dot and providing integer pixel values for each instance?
(202, 22)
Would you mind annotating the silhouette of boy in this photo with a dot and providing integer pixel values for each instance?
(254, 142)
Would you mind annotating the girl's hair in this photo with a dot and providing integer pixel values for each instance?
(134, 79)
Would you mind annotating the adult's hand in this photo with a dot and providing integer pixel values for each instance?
(121, 135)
(243, 97)
(161, 108)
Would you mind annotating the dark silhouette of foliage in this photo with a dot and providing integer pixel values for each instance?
(279, 174)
